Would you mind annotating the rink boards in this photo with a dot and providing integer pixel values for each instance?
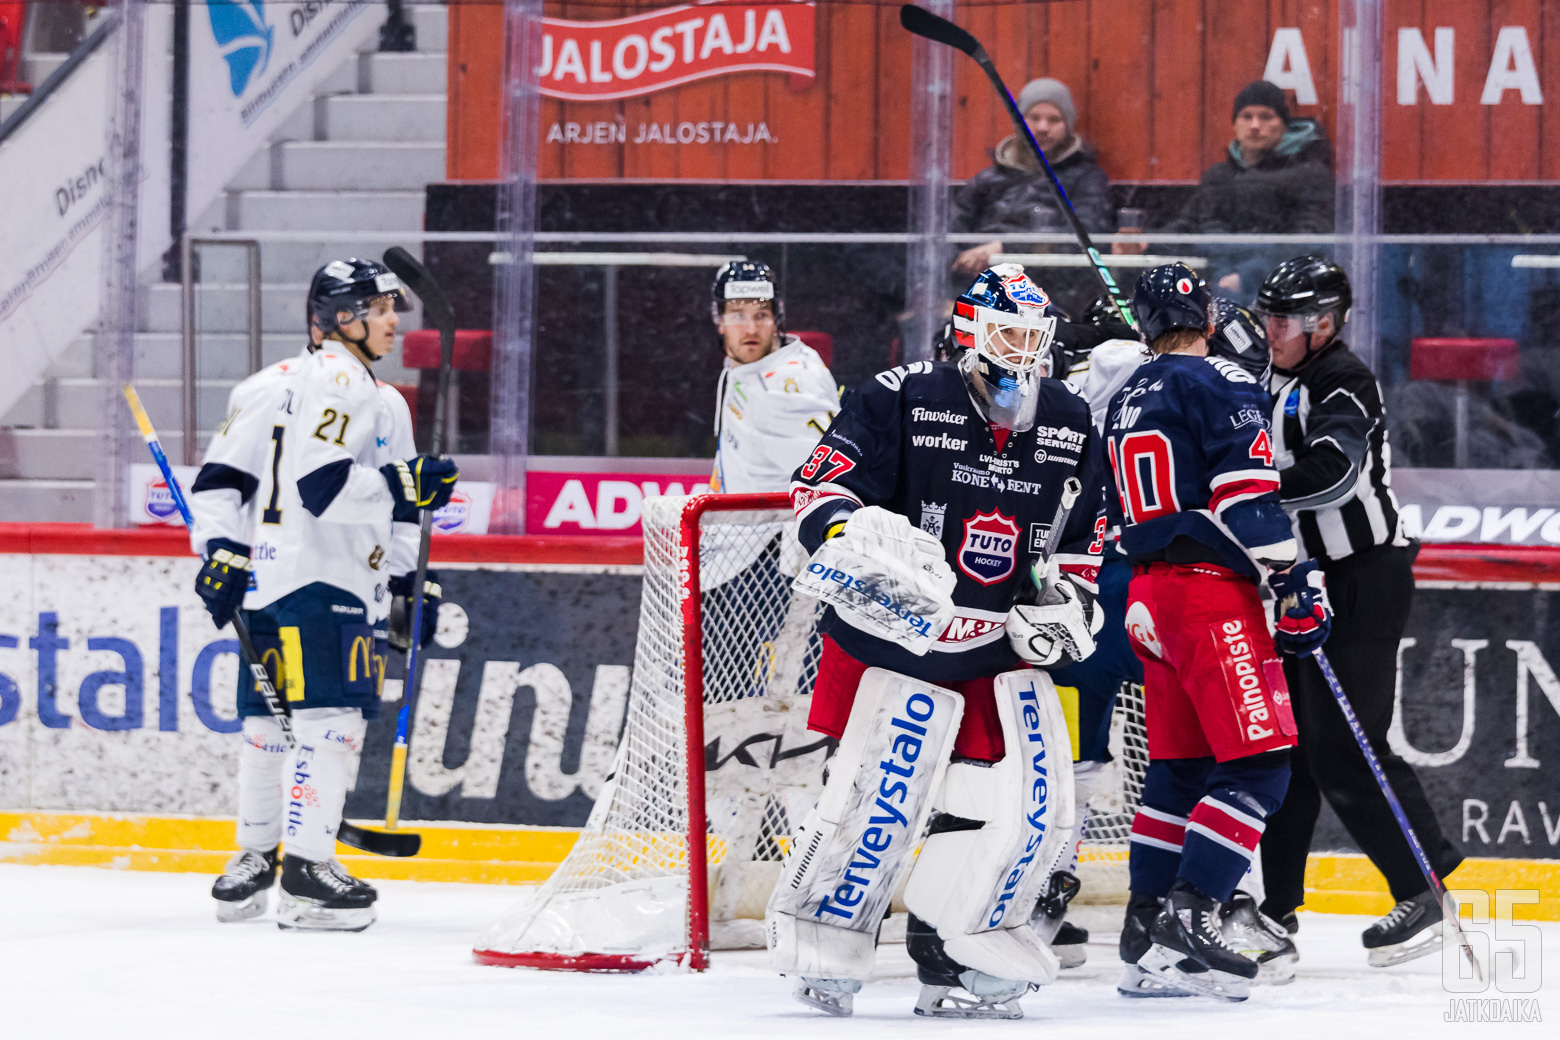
(117, 710)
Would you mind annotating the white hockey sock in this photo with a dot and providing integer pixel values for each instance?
(260, 764)
(329, 740)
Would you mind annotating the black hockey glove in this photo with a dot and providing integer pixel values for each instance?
(1302, 614)
(223, 579)
(423, 482)
(401, 610)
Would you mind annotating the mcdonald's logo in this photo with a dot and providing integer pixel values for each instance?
(362, 648)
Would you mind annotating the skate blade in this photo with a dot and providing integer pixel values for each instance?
(1135, 982)
(1420, 945)
(1277, 971)
(297, 915)
(834, 1002)
(242, 910)
(1072, 955)
(1163, 964)
(944, 1002)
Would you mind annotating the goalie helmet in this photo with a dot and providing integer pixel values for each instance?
(1172, 296)
(745, 280)
(1239, 336)
(349, 285)
(1004, 324)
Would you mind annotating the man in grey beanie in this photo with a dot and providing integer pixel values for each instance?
(1014, 195)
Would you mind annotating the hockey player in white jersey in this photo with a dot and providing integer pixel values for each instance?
(776, 395)
(315, 469)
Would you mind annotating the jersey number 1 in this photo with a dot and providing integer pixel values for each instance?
(271, 514)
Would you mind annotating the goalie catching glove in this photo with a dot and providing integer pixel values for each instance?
(422, 482)
(1059, 630)
(223, 579)
(884, 577)
(401, 610)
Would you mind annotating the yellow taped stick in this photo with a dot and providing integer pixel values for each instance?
(397, 778)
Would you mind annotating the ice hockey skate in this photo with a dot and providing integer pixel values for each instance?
(1187, 930)
(831, 996)
(1135, 981)
(319, 896)
(241, 891)
(1410, 930)
(970, 994)
(1069, 945)
(1252, 933)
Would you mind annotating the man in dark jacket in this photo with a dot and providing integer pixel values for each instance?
(1014, 195)
(1276, 179)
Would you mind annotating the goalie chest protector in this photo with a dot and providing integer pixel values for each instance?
(911, 440)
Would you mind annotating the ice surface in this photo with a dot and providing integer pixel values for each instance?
(92, 953)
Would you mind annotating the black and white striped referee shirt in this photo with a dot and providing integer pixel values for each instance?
(1335, 465)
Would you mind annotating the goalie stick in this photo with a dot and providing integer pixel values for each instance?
(929, 26)
(1448, 906)
(375, 842)
(436, 308)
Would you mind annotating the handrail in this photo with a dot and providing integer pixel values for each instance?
(83, 51)
(190, 399)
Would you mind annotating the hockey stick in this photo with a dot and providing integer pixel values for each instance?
(1448, 907)
(436, 307)
(376, 842)
(925, 24)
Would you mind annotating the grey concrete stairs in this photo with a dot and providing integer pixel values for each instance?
(356, 158)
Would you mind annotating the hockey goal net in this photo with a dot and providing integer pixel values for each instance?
(715, 763)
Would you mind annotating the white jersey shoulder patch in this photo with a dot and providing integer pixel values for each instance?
(1230, 370)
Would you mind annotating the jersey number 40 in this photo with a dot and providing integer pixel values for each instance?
(1145, 475)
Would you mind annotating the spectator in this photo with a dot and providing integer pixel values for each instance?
(1014, 195)
(1276, 179)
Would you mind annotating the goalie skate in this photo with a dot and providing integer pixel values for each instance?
(242, 890)
(319, 896)
(976, 995)
(831, 996)
(1410, 930)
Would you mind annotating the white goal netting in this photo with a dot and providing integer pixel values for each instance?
(621, 899)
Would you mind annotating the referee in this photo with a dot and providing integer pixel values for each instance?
(1330, 445)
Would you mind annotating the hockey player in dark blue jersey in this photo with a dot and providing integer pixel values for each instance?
(929, 508)
(1196, 497)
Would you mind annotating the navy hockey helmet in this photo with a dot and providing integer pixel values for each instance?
(1006, 319)
(745, 280)
(1239, 337)
(1170, 297)
(1306, 287)
(349, 285)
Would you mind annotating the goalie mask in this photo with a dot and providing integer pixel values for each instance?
(1003, 324)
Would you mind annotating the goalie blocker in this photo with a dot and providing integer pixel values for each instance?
(998, 832)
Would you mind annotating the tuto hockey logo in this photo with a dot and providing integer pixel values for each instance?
(990, 547)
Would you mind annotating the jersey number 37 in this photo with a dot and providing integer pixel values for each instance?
(823, 455)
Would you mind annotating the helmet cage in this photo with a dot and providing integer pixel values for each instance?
(988, 332)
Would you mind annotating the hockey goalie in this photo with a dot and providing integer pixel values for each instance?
(928, 510)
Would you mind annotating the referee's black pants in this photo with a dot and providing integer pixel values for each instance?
(1371, 593)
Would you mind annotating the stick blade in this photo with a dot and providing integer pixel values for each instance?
(417, 278)
(396, 844)
(924, 23)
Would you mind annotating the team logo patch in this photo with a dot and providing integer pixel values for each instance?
(990, 547)
(1023, 291)
(1140, 629)
(159, 503)
(1184, 286)
(932, 518)
(454, 515)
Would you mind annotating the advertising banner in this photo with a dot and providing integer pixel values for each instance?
(1489, 506)
(598, 503)
(116, 694)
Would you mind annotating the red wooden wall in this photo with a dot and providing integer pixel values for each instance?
(1153, 81)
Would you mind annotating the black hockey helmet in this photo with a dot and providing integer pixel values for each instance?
(1239, 337)
(1170, 297)
(745, 280)
(1308, 287)
(349, 285)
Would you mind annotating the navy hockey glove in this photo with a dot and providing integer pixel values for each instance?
(223, 579)
(401, 609)
(1301, 612)
(423, 482)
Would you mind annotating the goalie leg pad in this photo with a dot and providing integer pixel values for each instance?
(261, 760)
(329, 741)
(847, 857)
(978, 887)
